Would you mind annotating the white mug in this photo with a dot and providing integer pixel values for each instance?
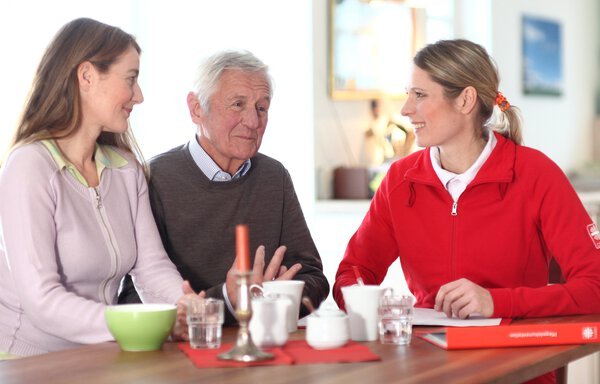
(292, 289)
(268, 324)
(362, 302)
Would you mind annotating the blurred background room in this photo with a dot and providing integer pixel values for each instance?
(339, 69)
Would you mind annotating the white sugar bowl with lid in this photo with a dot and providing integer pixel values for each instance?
(327, 328)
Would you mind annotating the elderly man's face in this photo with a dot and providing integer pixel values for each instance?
(232, 130)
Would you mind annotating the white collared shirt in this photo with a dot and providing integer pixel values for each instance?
(208, 166)
(454, 183)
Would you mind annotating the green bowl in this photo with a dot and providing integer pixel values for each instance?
(140, 327)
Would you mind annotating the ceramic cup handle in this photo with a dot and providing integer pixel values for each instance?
(256, 290)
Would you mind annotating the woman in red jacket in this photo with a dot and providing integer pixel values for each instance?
(475, 217)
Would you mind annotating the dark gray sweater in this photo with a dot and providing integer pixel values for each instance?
(196, 218)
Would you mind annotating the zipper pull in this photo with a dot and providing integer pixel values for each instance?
(98, 199)
(454, 208)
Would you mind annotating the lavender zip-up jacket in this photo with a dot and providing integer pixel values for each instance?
(64, 249)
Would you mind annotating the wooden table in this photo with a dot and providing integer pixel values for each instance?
(420, 362)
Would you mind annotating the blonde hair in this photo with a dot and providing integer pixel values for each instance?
(457, 64)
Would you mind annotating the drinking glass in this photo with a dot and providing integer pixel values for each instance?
(395, 315)
(205, 322)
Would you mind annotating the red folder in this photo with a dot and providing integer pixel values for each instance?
(514, 335)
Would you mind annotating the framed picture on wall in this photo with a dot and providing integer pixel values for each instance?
(542, 57)
(371, 45)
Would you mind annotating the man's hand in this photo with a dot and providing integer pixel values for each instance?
(462, 298)
(180, 329)
(274, 271)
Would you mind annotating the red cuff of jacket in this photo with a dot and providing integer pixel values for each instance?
(337, 292)
(503, 303)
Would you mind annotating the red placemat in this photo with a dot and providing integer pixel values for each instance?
(207, 358)
(352, 352)
(294, 352)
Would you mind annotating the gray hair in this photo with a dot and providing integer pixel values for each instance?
(212, 69)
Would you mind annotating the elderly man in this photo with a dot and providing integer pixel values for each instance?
(200, 190)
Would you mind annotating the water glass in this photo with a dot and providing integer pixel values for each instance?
(205, 322)
(395, 315)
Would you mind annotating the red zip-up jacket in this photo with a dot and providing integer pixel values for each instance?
(518, 212)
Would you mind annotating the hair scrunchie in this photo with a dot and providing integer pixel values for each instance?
(501, 102)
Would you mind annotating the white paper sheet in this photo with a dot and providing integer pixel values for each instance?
(429, 316)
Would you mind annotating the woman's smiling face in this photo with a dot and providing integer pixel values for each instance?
(114, 94)
(436, 120)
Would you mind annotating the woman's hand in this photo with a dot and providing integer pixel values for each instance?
(180, 329)
(462, 298)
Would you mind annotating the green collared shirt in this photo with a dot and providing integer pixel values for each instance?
(105, 157)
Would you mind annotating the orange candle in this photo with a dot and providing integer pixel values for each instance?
(242, 248)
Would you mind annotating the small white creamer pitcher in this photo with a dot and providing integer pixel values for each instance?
(291, 289)
(268, 325)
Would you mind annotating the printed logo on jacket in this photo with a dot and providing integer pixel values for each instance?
(594, 234)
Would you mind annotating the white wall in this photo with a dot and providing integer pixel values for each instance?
(174, 35)
(559, 126)
(25, 31)
(186, 31)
